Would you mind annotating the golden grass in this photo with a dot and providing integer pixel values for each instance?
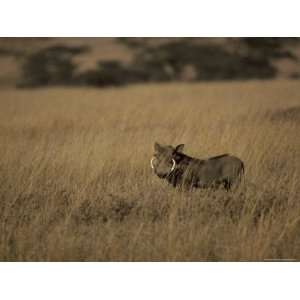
(76, 183)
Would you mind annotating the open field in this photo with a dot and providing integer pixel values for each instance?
(76, 182)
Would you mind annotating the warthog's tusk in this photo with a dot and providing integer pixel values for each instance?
(174, 165)
(151, 162)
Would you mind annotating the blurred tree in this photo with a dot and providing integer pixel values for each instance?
(165, 62)
(49, 66)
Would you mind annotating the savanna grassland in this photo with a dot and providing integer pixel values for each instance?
(76, 182)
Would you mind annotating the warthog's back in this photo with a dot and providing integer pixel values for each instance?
(218, 170)
(223, 165)
(218, 156)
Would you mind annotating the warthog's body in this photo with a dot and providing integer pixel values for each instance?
(179, 169)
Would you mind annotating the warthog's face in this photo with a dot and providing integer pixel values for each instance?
(163, 161)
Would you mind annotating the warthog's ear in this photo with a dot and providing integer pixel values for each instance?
(158, 147)
(179, 148)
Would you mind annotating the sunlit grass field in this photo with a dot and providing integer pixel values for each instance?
(76, 182)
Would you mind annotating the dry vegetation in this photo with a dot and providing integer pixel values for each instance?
(76, 183)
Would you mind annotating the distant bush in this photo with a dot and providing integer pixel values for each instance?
(211, 62)
(269, 48)
(110, 73)
(49, 66)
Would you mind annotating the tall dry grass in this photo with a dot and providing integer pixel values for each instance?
(76, 183)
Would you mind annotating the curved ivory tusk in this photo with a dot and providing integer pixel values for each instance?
(174, 165)
(151, 162)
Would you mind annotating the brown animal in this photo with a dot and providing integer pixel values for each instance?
(181, 170)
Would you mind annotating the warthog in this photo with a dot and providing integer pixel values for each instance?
(181, 170)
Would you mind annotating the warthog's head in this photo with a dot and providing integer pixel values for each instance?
(163, 161)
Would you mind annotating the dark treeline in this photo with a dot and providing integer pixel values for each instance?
(160, 60)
